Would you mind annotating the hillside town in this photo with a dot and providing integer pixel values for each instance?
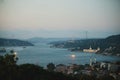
(97, 69)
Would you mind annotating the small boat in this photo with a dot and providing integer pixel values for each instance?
(72, 55)
(24, 47)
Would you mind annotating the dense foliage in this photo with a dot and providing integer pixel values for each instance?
(9, 70)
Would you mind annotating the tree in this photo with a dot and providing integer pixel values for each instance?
(51, 67)
(10, 59)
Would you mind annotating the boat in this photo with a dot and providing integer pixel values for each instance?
(73, 55)
(24, 46)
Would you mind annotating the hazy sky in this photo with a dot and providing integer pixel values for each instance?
(59, 18)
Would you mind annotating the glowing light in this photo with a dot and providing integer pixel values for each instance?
(73, 56)
(15, 53)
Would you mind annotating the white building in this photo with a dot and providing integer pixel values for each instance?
(91, 50)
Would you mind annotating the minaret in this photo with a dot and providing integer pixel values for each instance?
(94, 60)
(98, 49)
(90, 61)
(90, 48)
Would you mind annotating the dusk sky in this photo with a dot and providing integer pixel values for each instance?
(24, 19)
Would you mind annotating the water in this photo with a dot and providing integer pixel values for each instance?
(41, 54)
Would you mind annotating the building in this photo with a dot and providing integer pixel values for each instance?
(91, 50)
(61, 68)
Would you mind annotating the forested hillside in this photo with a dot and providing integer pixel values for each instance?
(110, 44)
(14, 42)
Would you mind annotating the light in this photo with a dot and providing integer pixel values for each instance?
(15, 53)
(73, 56)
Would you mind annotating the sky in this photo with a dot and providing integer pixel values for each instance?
(24, 19)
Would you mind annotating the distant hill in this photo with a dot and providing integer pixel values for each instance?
(110, 44)
(46, 40)
(14, 42)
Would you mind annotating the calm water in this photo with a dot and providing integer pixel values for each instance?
(41, 54)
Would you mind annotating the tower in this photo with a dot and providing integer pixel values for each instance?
(90, 61)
